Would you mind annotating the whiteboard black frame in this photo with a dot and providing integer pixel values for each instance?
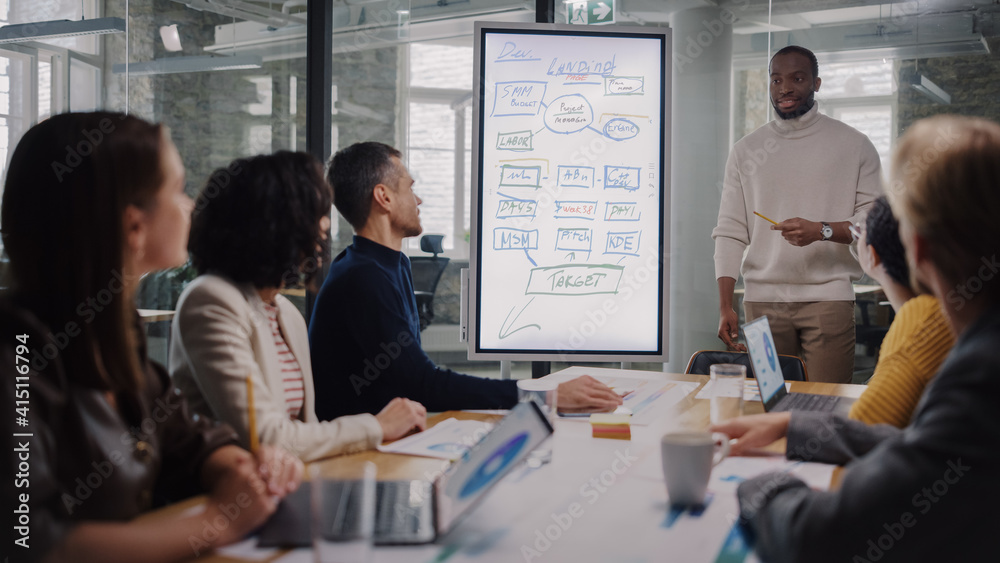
(475, 269)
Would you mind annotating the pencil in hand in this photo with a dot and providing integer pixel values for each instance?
(772, 221)
(252, 416)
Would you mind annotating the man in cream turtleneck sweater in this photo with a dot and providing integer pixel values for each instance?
(816, 176)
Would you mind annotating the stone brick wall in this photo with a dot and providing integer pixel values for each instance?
(973, 81)
(367, 79)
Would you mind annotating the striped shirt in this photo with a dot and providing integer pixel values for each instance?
(291, 372)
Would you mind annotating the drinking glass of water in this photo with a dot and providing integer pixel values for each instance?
(727, 391)
(343, 516)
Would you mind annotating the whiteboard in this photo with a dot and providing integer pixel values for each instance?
(570, 193)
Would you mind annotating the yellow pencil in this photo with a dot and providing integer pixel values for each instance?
(252, 412)
(772, 221)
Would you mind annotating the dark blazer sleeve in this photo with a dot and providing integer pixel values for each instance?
(925, 493)
(828, 438)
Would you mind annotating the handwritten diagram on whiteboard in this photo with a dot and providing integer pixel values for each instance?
(570, 222)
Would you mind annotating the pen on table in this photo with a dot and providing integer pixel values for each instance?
(772, 221)
(252, 414)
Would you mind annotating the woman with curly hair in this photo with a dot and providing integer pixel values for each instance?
(260, 225)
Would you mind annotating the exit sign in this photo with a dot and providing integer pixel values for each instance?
(590, 12)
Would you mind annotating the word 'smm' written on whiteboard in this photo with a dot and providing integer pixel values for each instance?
(523, 97)
(575, 279)
(521, 176)
(510, 208)
(622, 211)
(576, 210)
(517, 141)
(575, 176)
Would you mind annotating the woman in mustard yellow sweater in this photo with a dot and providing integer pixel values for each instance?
(918, 339)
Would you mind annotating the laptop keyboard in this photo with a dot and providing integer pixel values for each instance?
(807, 402)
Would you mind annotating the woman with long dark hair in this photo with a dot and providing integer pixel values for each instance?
(92, 202)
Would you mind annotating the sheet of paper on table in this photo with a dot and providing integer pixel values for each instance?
(647, 399)
(448, 439)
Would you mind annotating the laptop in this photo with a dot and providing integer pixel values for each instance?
(418, 511)
(771, 382)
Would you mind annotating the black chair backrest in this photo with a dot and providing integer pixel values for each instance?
(792, 367)
(432, 244)
(427, 272)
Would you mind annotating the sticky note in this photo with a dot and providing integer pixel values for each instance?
(615, 426)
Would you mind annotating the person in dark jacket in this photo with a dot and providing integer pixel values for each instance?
(364, 335)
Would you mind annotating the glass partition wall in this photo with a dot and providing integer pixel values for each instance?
(229, 79)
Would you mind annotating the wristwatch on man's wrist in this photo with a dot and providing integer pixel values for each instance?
(826, 231)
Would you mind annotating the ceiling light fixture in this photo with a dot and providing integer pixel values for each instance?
(932, 91)
(16, 33)
(174, 65)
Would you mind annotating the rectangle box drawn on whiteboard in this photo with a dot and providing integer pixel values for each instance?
(520, 176)
(624, 177)
(523, 97)
(517, 141)
(510, 208)
(515, 239)
(576, 176)
(575, 279)
(574, 240)
(622, 211)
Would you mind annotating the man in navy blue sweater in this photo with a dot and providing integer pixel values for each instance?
(364, 336)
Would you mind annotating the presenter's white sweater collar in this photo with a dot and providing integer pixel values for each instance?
(809, 118)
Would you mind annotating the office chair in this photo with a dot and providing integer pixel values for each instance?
(427, 272)
(867, 332)
(792, 367)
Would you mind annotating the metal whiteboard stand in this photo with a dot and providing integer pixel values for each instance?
(505, 369)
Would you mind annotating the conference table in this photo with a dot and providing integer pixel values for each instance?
(597, 500)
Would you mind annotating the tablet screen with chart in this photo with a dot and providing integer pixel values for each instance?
(570, 193)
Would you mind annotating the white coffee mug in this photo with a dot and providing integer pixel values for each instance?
(688, 459)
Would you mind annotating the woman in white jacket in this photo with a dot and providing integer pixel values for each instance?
(260, 224)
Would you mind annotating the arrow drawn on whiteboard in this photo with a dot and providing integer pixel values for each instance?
(508, 329)
(530, 259)
(571, 256)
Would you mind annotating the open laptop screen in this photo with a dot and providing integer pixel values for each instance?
(489, 460)
(764, 360)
